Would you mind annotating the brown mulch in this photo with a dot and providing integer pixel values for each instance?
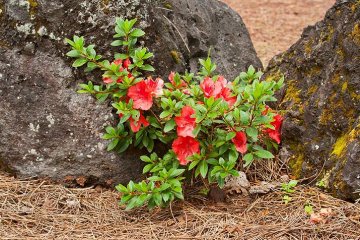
(275, 25)
(35, 209)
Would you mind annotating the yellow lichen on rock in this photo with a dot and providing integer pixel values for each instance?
(342, 142)
(274, 76)
(328, 34)
(312, 90)
(296, 163)
(292, 93)
(316, 70)
(355, 6)
(344, 87)
(175, 56)
(33, 5)
(340, 53)
(336, 78)
(340, 145)
(355, 34)
(308, 46)
(355, 133)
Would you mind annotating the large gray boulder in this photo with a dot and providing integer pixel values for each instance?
(46, 128)
(322, 101)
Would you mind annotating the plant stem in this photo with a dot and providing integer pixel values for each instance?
(157, 118)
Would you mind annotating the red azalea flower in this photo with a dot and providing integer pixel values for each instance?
(240, 142)
(185, 147)
(213, 89)
(126, 63)
(142, 93)
(107, 80)
(275, 134)
(186, 91)
(222, 82)
(210, 88)
(171, 79)
(118, 62)
(135, 126)
(185, 123)
(156, 86)
(226, 95)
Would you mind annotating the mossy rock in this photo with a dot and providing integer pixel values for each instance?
(322, 100)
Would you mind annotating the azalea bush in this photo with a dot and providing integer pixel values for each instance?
(211, 127)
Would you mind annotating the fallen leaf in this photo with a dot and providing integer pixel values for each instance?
(316, 218)
(81, 181)
(326, 212)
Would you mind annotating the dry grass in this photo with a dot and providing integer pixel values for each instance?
(35, 209)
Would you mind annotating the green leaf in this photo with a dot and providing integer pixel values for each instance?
(230, 136)
(121, 188)
(292, 183)
(248, 159)
(116, 43)
(212, 161)
(264, 154)
(197, 130)
(147, 168)
(73, 53)
(110, 130)
(120, 56)
(90, 66)
(193, 164)
(164, 114)
(245, 117)
(147, 67)
(176, 172)
(203, 168)
(145, 158)
(137, 33)
(79, 62)
(166, 196)
(252, 132)
(70, 42)
(169, 125)
(258, 90)
(124, 147)
(251, 70)
(113, 144)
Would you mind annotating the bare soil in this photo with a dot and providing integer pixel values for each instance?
(275, 25)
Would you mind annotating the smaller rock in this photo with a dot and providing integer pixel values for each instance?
(284, 178)
(264, 187)
(237, 185)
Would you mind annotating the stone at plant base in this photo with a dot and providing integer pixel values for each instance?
(322, 99)
(46, 128)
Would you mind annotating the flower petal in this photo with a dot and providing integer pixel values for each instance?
(240, 142)
(185, 147)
